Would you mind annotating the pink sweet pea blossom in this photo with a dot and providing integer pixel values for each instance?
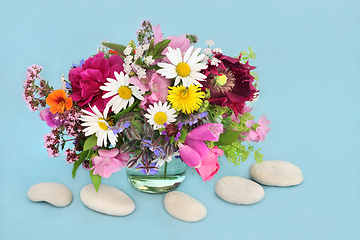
(210, 165)
(52, 120)
(159, 90)
(194, 149)
(181, 42)
(109, 162)
(260, 132)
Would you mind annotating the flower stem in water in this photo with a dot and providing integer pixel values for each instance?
(165, 170)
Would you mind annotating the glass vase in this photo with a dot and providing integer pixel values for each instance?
(155, 179)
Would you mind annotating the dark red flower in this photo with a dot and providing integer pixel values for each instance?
(87, 79)
(230, 83)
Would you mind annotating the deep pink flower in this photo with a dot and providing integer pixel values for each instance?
(234, 87)
(194, 149)
(210, 165)
(260, 132)
(109, 162)
(87, 79)
(52, 120)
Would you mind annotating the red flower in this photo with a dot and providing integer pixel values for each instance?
(231, 83)
(87, 79)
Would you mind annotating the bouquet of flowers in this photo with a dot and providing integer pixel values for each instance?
(141, 106)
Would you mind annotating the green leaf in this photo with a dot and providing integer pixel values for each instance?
(116, 47)
(83, 154)
(227, 138)
(76, 166)
(90, 142)
(160, 46)
(96, 179)
(183, 135)
(129, 109)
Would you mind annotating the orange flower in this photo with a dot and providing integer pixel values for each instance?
(58, 101)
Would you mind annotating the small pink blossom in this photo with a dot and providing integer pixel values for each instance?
(52, 120)
(158, 86)
(109, 162)
(260, 132)
(210, 165)
(181, 42)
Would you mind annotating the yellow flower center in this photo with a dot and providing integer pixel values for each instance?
(160, 118)
(102, 125)
(125, 92)
(221, 80)
(183, 69)
(184, 94)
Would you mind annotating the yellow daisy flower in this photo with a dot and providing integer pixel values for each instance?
(185, 99)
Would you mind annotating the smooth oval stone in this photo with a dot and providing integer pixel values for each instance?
(184, 207)
(107, 200)
(56, 194)
(239, 190)
(276, 173)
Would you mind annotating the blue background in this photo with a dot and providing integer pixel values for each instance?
(308, 59)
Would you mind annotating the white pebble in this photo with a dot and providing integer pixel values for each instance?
(107, 200)
(276, 173)
(54, 193)
(184, 207)
(239, 190)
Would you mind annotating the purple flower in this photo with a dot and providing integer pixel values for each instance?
(119, 128)
(52, 120)
(151, 169)
(153, 146)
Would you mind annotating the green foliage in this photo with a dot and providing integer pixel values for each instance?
(129, 109)
(183, 135)
(227, 138)
(116, 47)
(156, 50)
(245, 56)
(236, 152)
(258, 156)
(76, 166)
(90, 142)
(192, 38)
(96, 179)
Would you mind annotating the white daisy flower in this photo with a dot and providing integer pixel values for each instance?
(96, 123)
(120, 91)
(186, 68)
(159, 114)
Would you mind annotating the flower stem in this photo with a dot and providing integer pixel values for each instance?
(165, 170)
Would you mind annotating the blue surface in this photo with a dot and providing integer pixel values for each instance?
(308, 59)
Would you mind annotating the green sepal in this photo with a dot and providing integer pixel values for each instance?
(227, 138)
(116, 47)
(90, 142)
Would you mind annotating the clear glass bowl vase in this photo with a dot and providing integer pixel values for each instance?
(167, 178)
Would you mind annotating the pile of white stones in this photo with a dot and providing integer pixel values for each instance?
(233, 189)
